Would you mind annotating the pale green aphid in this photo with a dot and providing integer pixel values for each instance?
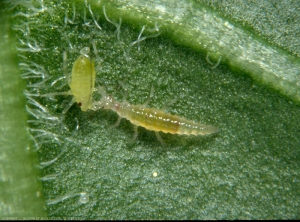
(81, 82)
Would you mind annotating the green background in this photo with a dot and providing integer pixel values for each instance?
(249, 170)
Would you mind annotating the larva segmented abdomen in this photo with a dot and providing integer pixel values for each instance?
(192, 128)
(157, 120)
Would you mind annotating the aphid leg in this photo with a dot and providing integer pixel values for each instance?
(68, 106)
(68, 76)
(135, 135)
(96, 53)
(159, 138)
(68, 93)
(149, 96)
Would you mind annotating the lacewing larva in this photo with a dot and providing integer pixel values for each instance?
(152, 118)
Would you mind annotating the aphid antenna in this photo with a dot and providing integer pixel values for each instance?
(96, 54)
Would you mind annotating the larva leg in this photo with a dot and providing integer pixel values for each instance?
(169, 103)
(149, 96)
(134, 135)
(159, 138)
(125, 94)
(102, 91)
(117, 123)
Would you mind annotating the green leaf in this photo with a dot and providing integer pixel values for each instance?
(250, 169)
(20, 190)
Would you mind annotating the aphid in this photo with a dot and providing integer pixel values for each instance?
(152, 119)
(81, 82)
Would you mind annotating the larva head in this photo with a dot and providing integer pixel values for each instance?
(106, 102)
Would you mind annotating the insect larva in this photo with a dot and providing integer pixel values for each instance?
(153, 119)
(81, 82)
